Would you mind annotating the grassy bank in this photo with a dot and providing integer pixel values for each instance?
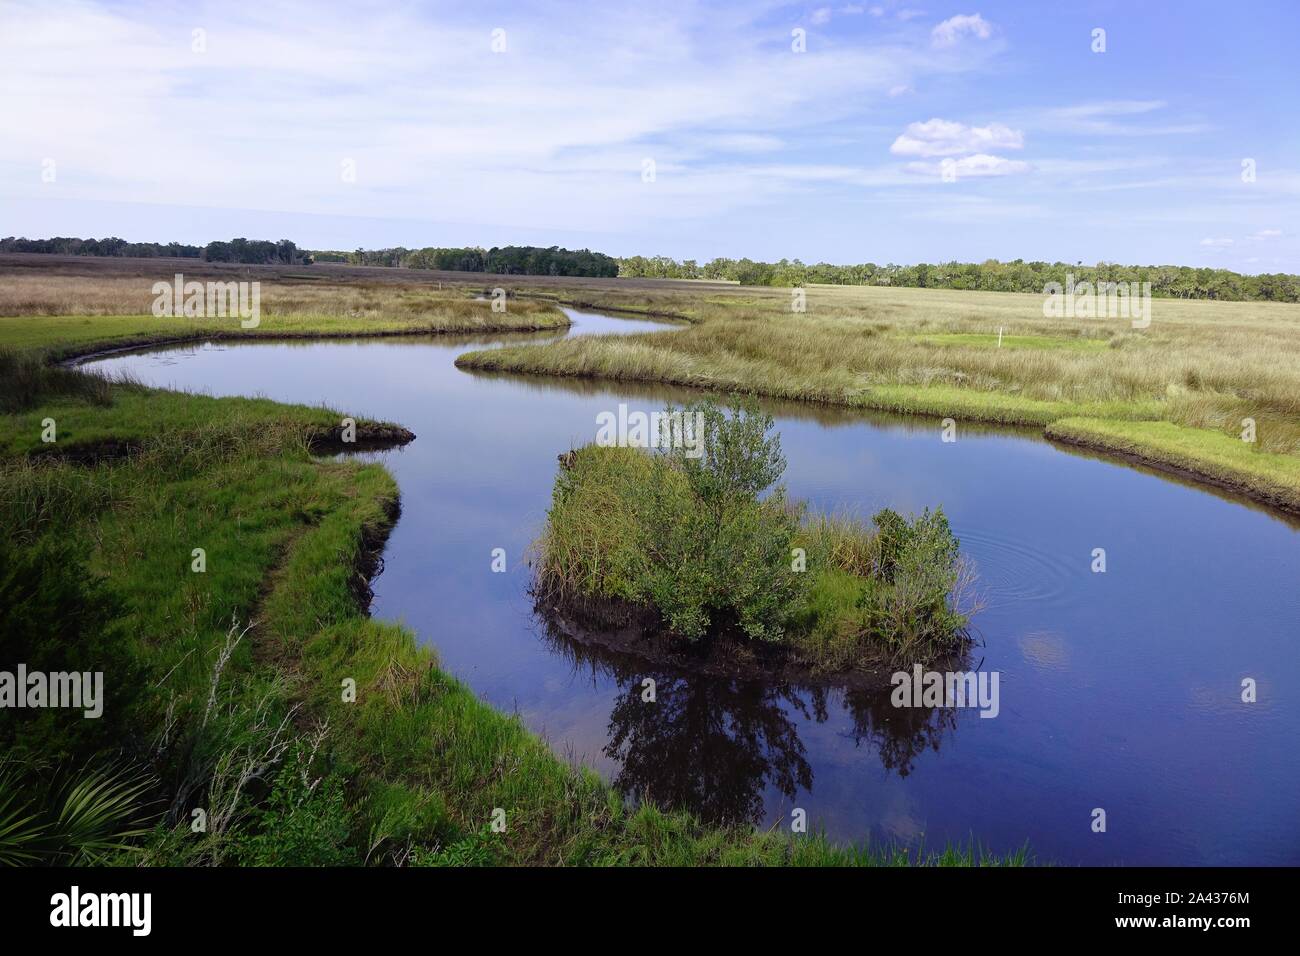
(229, 687)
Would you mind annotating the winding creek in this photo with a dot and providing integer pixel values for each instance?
(1119, 690)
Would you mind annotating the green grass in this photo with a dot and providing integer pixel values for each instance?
(248, 658)
(972, 406)
(992, 340)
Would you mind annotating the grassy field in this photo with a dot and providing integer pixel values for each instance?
(1201, 368)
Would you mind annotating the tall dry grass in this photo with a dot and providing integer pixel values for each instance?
(51, 292)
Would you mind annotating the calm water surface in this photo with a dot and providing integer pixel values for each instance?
(1118, 690)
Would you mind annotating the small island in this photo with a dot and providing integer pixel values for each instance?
(692, 550)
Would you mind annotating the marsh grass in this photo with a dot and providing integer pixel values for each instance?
(26, 379)
(1226, 460)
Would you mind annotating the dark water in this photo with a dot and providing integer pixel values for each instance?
(1119, 690)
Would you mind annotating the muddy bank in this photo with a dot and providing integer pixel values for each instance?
(620, 628)
(370, 436)
(88, 453)
(369, 562)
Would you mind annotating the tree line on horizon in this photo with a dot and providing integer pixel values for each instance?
(249, 251)
(991, 275)
(499, 260)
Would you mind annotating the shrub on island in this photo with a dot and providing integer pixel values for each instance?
(707, 548)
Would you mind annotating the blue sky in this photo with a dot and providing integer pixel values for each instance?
(345, 125)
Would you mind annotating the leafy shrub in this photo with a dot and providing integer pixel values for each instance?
(303, 822)
(717, 555)
(476, 849)
(908, 604)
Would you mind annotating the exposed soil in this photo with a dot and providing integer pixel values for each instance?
(88, 453)
(623, 628)
(370, 436)
(370, 555)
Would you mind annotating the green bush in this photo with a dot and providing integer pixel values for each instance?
(303, 822)
(909, 604)
(718, 556)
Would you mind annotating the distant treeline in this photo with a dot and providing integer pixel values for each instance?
(503, 260)
(1178, 282)
(252, 251)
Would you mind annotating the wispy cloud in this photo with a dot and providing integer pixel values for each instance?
(1104, 119)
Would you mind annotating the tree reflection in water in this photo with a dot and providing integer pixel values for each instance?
(715, 745)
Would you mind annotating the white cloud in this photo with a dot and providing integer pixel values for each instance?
(1267, 234)
(950, 31)
(939, 137)
(899, 89)
(1216, 242)
(821, 15)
